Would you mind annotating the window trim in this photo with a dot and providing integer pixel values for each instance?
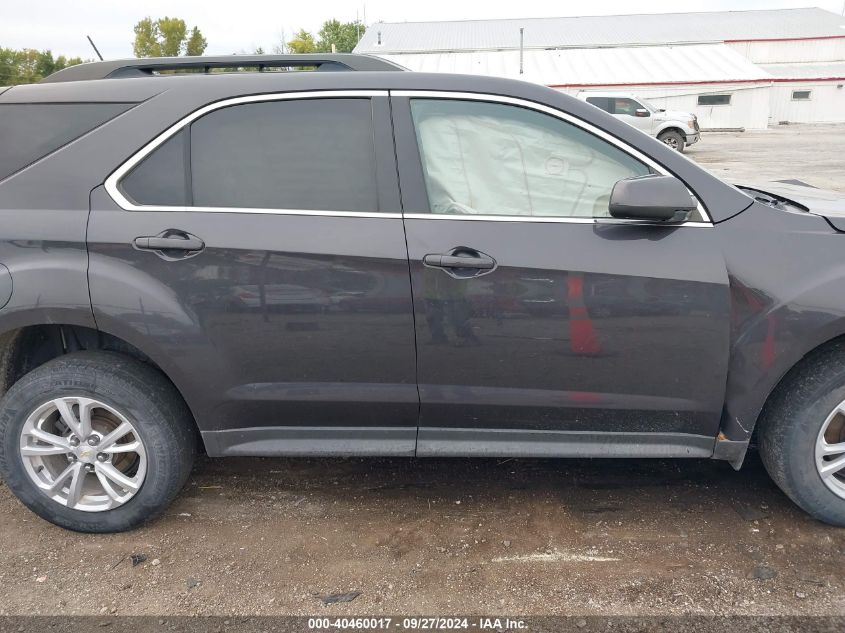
(112, 183)
(580, 123)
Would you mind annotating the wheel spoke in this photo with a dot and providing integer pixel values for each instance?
(124, 429)
(66, 411)
(113, 494)
(86, 406)
(832, 467)
(116, 476)
(74, 493)
(60, 479)
(56, 445)
(79, 424)
(833, 449)
(129, 447)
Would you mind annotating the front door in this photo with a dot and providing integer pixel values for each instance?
(258, 256)
(543, 326)
(633, 113)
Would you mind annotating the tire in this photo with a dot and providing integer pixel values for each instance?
(155, 457)
(673, 139)
(790, 426)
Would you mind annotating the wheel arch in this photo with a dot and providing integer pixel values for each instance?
(671, 127)
(744, 406)
(26, 347)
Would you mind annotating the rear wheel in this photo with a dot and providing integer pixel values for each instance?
(95, 442)
(673, 139)
(802, 435)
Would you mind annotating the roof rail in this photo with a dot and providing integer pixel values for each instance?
(150, 66)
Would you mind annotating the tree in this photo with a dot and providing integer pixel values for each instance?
(302, 42)
(167, 37)
(196, 43)
(344, 36)
(28, 65)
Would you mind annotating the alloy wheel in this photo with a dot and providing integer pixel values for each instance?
(83, 454)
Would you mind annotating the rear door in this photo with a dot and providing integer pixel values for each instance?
(256, 252)
(544, 326)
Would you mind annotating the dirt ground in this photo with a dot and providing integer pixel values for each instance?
(460, 536)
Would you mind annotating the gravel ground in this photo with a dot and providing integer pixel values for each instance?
(810, 153)
(437, 536)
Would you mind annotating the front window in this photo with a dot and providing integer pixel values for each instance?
(493, 159)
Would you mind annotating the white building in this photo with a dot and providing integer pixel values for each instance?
(734, 69)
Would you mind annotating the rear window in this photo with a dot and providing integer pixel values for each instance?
(314, 154)
(30, 131)
(601, 102)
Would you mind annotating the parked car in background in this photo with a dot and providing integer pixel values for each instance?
(675, 128)
(390, 263)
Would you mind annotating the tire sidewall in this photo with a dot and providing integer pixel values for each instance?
(792, 463)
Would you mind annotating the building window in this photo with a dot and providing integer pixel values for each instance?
(711, 100)
(800, 95)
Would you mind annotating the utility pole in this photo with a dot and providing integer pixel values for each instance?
(94, 46)
(521, 43)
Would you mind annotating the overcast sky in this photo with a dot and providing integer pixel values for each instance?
(230, 27)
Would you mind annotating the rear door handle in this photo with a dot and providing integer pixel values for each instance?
(461, 262)
(182, 242)
(480, 262)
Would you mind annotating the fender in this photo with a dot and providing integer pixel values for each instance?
(772, 329)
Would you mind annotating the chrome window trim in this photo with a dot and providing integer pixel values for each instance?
(113, 181)
(580, 123)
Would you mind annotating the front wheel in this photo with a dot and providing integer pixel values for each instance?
(95, 442)
(673, 139)
(802, 435)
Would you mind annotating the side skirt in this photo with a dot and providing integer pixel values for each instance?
(448, 442)
(523, 443)
(311, 440)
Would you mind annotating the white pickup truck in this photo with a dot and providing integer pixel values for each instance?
(676, 129)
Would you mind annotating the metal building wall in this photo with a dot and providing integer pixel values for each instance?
(826, 103)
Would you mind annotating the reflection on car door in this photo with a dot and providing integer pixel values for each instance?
(543, 326)
(287, 324)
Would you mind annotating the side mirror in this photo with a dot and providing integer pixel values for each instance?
(641, 112)
(653, 197)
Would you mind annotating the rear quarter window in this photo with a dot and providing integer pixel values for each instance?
(31, 131)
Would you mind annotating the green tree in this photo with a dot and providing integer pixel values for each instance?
(344, 36)
(302, 42)
(167, 37)
(29, 65)
(196, 43)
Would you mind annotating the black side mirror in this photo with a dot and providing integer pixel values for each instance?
(653, 197)
(641, 112)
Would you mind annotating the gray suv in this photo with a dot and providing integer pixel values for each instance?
(364, 261)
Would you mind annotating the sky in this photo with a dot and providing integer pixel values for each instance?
(61, 25)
